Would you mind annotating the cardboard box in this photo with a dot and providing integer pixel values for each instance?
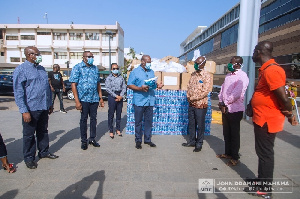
(190, 67)
(158, 75)
(210, 66)
(171, 80)
(169, 59)
(185, 78)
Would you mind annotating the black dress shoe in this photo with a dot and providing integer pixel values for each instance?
(94, 143)
(50, 156)
(84, 146)
(31, 165)
(197, 149)
(151, 144)
(138, 145)
(188, 144)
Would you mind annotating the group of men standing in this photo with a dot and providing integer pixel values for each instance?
(33, 90)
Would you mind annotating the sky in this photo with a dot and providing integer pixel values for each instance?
(154, 27)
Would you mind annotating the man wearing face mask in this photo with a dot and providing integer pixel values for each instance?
(86, 88)
(143, 100)
(116, 87)
(197, 94)
(231, 104)
(33, 97)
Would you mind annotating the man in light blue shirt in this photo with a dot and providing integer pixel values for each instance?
(143, 100)
(33, 97)
(87, 92)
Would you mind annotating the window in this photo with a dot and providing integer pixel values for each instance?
(75, 55)
(76, 36)
(59, 36)
(91, 36)
(11, 37)
(2, 54)
(229, 36)
(45, 53)
(27, 37)
(43, 33)
(15, 59)
(60, 55)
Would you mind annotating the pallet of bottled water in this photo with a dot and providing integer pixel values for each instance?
(170, 113)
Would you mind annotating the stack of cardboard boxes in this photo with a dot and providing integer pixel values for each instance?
(179, 81)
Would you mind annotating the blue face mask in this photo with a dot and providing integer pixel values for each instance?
(115, 72)
(148, 66)
(90, 61)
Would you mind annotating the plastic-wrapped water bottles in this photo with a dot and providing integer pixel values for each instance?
(170, 114)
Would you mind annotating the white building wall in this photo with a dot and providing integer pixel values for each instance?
(12, 53)
(48, 46)
(44, 40)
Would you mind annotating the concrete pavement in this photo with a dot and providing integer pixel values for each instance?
(118, 170)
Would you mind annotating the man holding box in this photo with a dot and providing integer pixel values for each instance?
(197, 94)
(143, 100)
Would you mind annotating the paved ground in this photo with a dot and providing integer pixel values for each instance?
(118, 170)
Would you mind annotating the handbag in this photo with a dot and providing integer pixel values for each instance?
(249, 108)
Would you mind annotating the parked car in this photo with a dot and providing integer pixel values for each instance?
(6, 84)
(70, 95)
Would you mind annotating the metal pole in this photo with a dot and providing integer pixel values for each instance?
(247, 40)
(109, 50)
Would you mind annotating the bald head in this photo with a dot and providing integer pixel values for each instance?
(262, 52)
(29, 49)
(266, 47)
(145, 57)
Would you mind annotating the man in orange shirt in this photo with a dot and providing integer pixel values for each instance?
(270, 107)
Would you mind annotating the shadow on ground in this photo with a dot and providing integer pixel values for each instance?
(79, 188)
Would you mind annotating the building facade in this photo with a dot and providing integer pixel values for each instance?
(279, 23)
(62, 44)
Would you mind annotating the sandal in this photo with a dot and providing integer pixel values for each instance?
(10, 169)
(232, 162)
(223, 156)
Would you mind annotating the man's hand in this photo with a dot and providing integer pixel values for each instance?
(101, 104)
(78, 105)
(52, 89)
(50, 110)
(144, 88)
(159, 86)
(64, 89)
(292, 120)
(26, 117)
(118, 98)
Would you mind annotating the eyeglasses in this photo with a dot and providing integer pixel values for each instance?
(115, 68)
(89, 56)
(34, 54)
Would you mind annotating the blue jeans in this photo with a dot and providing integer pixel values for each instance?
(113, 107)
(88, 109)
(141, 112)
(38, 125)
(196, 124)
(59, 93)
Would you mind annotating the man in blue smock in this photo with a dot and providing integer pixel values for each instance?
(143, 100)
(33, 97)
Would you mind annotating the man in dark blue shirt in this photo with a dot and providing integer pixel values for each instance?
(33, 97)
